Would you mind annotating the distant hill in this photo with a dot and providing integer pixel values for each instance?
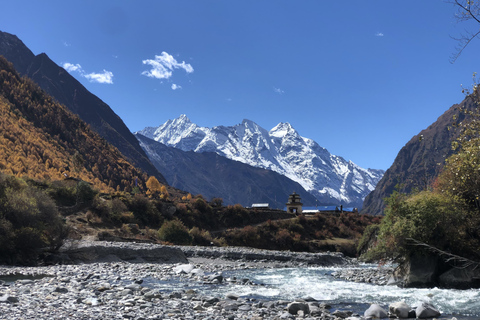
(41, 139)
(212, 176)
(57, 82)
(419, 162)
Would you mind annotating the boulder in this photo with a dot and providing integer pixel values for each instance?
(426, 270)
(375, 311)
(294, 307)
(315, 309)
(232, 296)
(8, 299)
(183, 268)
(61, 290)
(399, 309)
(216, 278)
(425, 310)
(342, 314)
(465, 278)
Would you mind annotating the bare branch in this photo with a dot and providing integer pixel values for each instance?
(464, 41)
(467, 10)
(456, 261)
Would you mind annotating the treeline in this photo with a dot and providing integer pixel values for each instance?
(193, 220)
(33, 215)
(41, 139)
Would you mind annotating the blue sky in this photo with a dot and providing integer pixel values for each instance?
(359, 77)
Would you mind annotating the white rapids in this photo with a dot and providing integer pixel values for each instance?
(293, 283)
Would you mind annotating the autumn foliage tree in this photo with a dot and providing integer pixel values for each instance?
(153, 186)
(156, 188)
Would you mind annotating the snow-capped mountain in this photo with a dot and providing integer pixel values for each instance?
(330, 178)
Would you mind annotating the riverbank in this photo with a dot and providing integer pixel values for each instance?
(138, 289)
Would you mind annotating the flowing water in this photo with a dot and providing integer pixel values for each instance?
(292, 283)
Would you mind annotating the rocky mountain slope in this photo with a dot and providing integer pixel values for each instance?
(329, 178)
(57, 82)
(419, 161)
(212, 175)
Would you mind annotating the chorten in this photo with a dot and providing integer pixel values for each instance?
(294, 204)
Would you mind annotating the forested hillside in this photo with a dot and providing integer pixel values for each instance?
(41, 139)
(64, 88)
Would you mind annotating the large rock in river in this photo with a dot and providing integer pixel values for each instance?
(421, 270)
(461, 278)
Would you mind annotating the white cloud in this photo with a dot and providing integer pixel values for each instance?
(66, 44)
(70, 67)
(176, 86)
(278, 90)
(164, 65)
(379, 34)
(105, 77)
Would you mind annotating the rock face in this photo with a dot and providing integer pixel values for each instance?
(420, 271)
(212, 176)
(330, 178)
(58, 83)
(419, 161)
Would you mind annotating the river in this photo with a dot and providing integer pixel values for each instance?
(292, 283)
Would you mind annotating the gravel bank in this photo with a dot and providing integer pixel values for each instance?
(119, 289)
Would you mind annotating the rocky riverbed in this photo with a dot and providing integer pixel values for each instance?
(115, 281)
(379, 276)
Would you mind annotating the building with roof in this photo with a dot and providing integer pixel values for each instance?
(260, 206)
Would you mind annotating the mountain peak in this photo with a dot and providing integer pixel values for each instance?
(249, 123)
(183, 118)
(282, 129)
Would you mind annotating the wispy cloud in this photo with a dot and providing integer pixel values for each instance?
(66, 44)
(104, 77)
(164, 65)
(278, 90)
(176, 86)
(379, 34)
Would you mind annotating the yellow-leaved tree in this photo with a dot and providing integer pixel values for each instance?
(153, 186)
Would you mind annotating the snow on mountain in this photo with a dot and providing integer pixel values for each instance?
(330, 178)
